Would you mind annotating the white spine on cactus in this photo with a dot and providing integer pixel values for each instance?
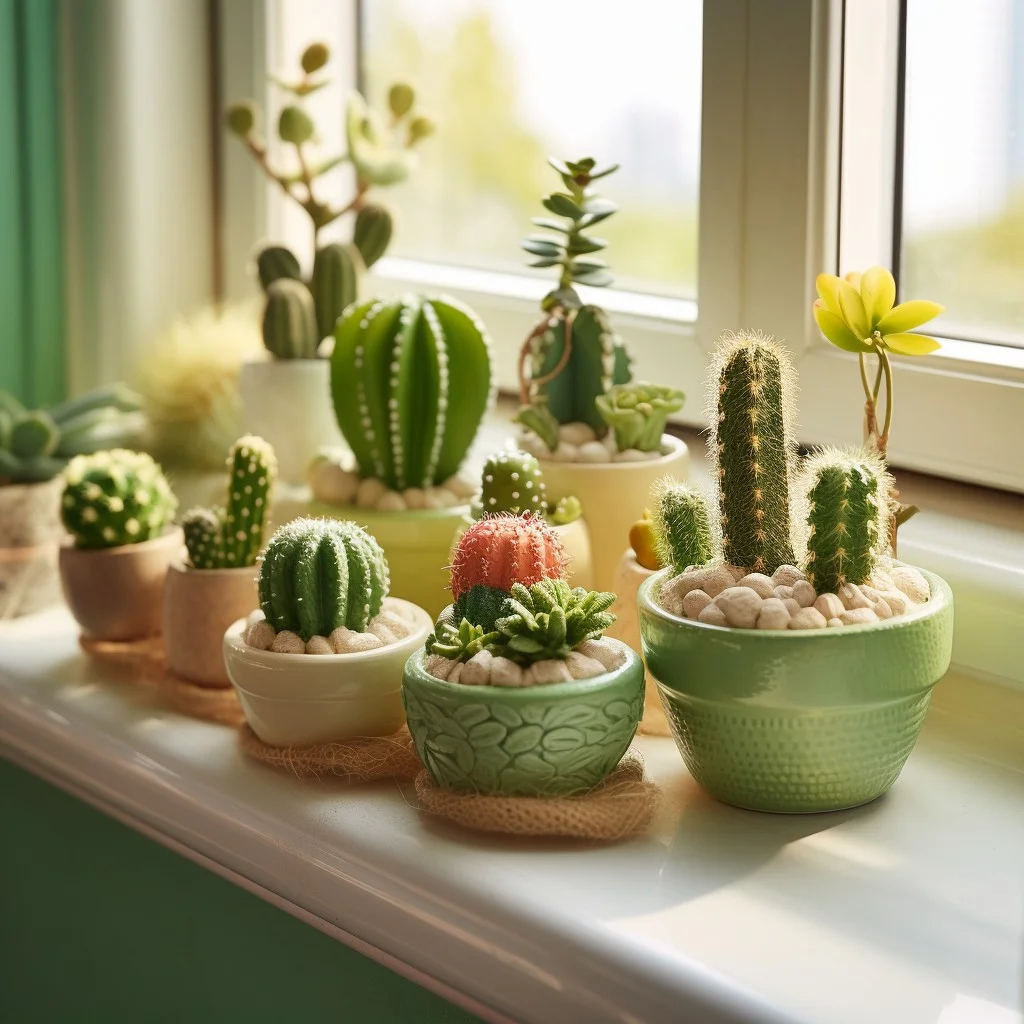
(364, 405)
(434, 325)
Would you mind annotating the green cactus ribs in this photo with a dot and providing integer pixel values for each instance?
(512, 482)
(682, 526)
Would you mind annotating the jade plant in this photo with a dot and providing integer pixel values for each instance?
(513, 482)
(638, 412)
(115, 497)
(411, 381)
(300, 313)
(231, 537)
(572, 356)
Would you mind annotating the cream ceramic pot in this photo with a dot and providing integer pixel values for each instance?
(614, 496)
(199, 605)
(297, 700)
(30, 535)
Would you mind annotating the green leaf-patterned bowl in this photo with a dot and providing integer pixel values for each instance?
(547, 740)
(796, 721)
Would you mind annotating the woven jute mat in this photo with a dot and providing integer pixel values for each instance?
(146, 661)
(360, 759)
(622, 805)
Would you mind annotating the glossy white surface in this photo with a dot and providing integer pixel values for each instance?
(908, 911)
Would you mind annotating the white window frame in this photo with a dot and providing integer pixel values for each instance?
(777, 123)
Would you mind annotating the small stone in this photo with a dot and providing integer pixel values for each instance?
(858, 616)
(713, 616)
(881, 608)
(400, 609)
(881, 581)
(530, 443)
(331, 483)
(565, 452)
(582, 667)
(414, 497)
(852, 596)
(792, 605)
(783, 592)
(714, 579)
(607, 651)
(527, 678)
(399, 627)
(695, 602)
(257, 616)
(576, 433)
(741, 606)
(609, 442)
(737, 572)
(807, 618)
(832, 623)
(803, 593)
(391, 501)
(774, 615)
(456, 673)
(551, 670)
(287, 642)
(655, 453)
(759, 583)
(382, 631)
(630, 455)
(440, 497)
(461, 486)
(910, 582)
(348, 641)
(370, 491)
(261, 635)
(477, 671)
(786, 575)
(318, 645)
(505, 672)
(899, 604)
(829, 605)
(438, 666)
(592, 451)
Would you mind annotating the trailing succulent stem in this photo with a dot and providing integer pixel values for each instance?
(681, 525)
(322, 574)
(637, 413)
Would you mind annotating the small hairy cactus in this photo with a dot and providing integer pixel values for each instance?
(460, 643)
(848, 503)
(372, 232)
(337, 270)
(411, 381)
(638, 412)
(289, 320)
(320, 574)
(512, 482)
(751, 401)
(681, 526)
(115, 497)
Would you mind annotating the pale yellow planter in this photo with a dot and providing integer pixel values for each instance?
(614, 496)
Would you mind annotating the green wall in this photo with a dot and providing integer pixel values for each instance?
(99, 923)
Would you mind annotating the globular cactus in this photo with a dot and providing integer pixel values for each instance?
(276, 262)
(411, 381)
(115, 497)
(681, 526)
(751, 402)
(512, 482)
(289, 320)
(337, 271)
(204, 533)
(372, 232)
(321, 574)
(848, 509)
(637, 413)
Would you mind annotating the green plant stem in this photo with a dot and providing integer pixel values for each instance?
(883, 438)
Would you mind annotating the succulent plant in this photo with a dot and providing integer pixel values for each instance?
(115, 497)
(681, 525)
(462, 642)
(231, 537)
(321, 574)
(371, 233)
(411, 381)
(513, 482)
(568, 510)
(35, 445)
(637, 413)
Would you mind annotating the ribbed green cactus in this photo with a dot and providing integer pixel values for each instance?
(337, 271)
(115, 497)
(411, 380)
(289, 320)
(322, 574)
(681, 524)
(751, 402)
(848, 509)
(512, 482)
(372, 232)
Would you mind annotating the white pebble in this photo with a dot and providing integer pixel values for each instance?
(759, 583)
(551, 670)
(399, 627)
(786, 575)
(881, 581)
(261, 635)
(807, 618)
(530, 443)
(462, 487)
(695, 602)
(630, 455)
(803, 593)
(527, 678)
(505, 672)
(287, 642)
(608, 652)
(910, 582)
(348, 641)
(774, 615)
(438, 666)
(414, 497)
(401, 609)
(391, 501)
(852, 596)
(477, 671)
(792, 605)
(370, 491)
(899, 604)
(740, 605)
(440, 497)
(783, 592)
(713, 616)
(858, 616)
(832, 623)
(565, 452)
(330, 483)
(582, 667)
(576, 433)
(456, 672)
(881, 608)
(592, 451)
(715, 579)
(737, 572)
(318, 645)
(829, 605)
(656, 453)
(256, 616)
(382, 631)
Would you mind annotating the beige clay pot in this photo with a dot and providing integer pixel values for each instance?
(30, 535)
(199, 605)
(118, 593)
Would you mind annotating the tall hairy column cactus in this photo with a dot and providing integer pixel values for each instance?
(411, 381)
(752, 383)
(322, 574)
(848, 510)
(115, 497)
(682, 526)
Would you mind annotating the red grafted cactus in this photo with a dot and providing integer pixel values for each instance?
(505, 549)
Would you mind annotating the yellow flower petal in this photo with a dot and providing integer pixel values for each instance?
(853, 310)
(835, 329)
(853, 277)
(878, 290)
(828, 290)
(908, 315)
(910, 344)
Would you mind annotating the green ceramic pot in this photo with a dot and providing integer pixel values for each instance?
(796, 721)
(547, 740)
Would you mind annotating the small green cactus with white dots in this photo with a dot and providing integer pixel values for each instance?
(513, 482)
(115, 497)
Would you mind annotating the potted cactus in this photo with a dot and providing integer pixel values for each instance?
(516, 691)
(118, 507)
(322, 659)
(34, 448)
(217, 583)
(795, 657)
(411, 380)
(599, 435)
(300, 312)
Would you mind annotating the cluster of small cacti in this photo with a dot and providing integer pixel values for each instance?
(115, 497)
(513, 482)
(411, 381)
(231, 537)
(299, 314)
(35, 445)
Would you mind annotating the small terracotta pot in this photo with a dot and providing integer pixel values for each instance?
(118, 593)
(199, 605)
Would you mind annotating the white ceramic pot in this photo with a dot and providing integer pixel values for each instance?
(30, 535)
(296, 700)
(288, 403)
(614, 496)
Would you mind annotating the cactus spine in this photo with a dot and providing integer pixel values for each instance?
(115, 497)
(847, 517)
(289, 320)
(372, 232)
(681, 525)
(512, 482)
(751, 403)
(337, 270)
(322, 574)
(411, 381)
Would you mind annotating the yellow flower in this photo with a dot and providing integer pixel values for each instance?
(857, 314)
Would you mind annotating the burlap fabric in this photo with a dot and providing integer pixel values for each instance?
(361, 759)
(622, 805)
(146, 661)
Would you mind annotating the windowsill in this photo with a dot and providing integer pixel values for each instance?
(908, 909)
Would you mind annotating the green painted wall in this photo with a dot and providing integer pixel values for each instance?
(99, 923)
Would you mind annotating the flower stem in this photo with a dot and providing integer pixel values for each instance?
(886, 367)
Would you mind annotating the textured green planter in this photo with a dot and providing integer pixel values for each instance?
(547, 740)
(797, 721)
